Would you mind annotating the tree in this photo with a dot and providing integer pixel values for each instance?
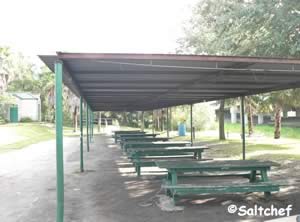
(245, 27)
(221, 120)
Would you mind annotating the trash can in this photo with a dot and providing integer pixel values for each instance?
(181, 129)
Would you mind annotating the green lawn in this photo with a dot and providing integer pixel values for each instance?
(267, 130)
(19, 135)
(232, 148)
(278, 157)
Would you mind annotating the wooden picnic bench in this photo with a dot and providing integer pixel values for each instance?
(136, 144)
(255, 184)
(146, 157)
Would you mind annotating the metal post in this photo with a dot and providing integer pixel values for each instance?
(153, 125)
(168, 123)
(170, 118)
(59, 142)
(90, 119)
(242, 116)
(192, 139)
(81, 135)
(87, 128)
(142, 121)
(92, 126)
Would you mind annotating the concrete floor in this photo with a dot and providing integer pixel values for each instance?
(108, 191)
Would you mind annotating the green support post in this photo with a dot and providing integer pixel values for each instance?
(242, 117)
(59, 142)
(87, 128)
(92, 126)
(90, 119)
(81, 135)
(168, 123)
(192, 136)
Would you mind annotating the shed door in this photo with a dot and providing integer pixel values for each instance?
(13, 114)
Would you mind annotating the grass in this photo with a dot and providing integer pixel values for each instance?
(277, 157)
(267, 130)
(23, 134)
(20, 135)
(232, 148)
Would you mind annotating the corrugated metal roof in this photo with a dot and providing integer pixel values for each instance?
(25, 95)
(149, 81)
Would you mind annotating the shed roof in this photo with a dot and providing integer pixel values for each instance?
(25, 96)
(120, 82)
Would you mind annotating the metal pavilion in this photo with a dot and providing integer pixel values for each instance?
(141, 82)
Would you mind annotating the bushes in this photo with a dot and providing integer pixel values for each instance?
(26, 120)
(203, 116)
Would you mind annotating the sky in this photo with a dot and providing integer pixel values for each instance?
(128, 26)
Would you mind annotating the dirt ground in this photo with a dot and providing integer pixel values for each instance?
(109, 191)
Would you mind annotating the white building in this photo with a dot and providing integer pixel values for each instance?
(29, 105)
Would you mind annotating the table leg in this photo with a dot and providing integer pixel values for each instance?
(199, 155)
(253, 176)
(169, 176)
(264, 178)
(173, 177)
(138, 170)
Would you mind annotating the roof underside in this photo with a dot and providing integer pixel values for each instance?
(127, 82)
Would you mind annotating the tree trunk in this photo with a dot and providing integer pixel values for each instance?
(162, 121)
(250, 119)
(142, 122)
(158, 123)
(99, 122)
(277, 120)
(221, 120)
(75, 119)
(125, 119)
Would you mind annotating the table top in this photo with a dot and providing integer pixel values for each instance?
(121, 131)
(159, 149)
(215, 164)
(138, 134)
(167, 142)
(145, 138)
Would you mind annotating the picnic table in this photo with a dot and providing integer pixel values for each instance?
(146, 157)
(142, 139)
(138, 135)
(136, 144)
(118, 134)
(174, 168)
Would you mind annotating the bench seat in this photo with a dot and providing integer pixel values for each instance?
(150, 162)
(184, 189)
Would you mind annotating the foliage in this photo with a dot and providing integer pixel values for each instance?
(266, 130)
(244, 27)
(247, 28)
(26, 120)
(203, 116)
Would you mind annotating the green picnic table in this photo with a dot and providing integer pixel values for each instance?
(136, 144)
(146, 157)
(116, 133)
(142, 139)
(127, 133)
(263, 184)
